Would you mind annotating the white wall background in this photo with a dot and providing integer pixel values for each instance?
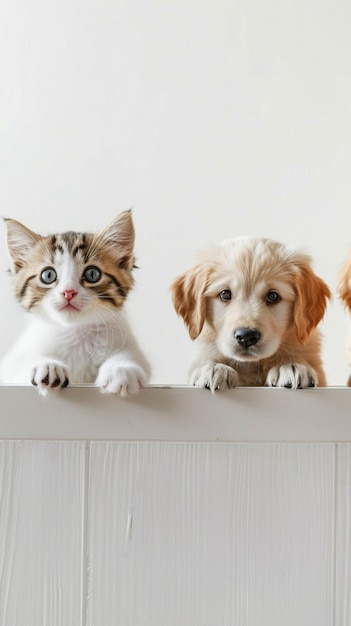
(211, 118)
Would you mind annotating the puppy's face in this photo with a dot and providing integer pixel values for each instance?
(249, 319)
(247, 295)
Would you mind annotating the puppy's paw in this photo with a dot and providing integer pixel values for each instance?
(294, 376)
(125, 379)
(49, 374)
(214, 376)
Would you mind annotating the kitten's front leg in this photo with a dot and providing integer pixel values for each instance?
(49, 374)
(122, 375)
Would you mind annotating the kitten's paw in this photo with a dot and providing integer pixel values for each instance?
(215, 377)
(49, 374)
(121, 378)
(294, 376)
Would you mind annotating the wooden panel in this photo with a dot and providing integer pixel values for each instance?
(178, 414)
(211, 534)
(343, 537)
(41, 533)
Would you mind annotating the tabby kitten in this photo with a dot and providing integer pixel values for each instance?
(74, 286)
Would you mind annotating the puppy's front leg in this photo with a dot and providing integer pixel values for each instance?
(214, 376)
(292, 376)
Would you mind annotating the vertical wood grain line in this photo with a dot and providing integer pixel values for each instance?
(85, 550)
(334, 530)
(343, 547)
(14, 467)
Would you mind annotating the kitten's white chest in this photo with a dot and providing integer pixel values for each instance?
(83, 349)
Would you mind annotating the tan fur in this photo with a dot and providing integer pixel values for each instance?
(310, 304)
(189, 298)
(344, 284)
(288, 352)
(344, 291)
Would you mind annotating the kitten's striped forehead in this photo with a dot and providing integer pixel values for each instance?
(76, 244)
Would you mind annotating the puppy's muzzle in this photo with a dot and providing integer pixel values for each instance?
(247, 337)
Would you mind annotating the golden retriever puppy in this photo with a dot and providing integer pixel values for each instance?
(344, 290)
(253, 306)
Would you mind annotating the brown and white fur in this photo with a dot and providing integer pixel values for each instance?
(252, 306)
(73, 286)
(344, 290)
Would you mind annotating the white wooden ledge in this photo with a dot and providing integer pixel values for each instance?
(178, 414)
(175, 508)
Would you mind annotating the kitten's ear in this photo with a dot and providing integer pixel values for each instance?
(119, 237)
(20, 242)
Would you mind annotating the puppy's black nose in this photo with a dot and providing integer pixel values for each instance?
(247, 337)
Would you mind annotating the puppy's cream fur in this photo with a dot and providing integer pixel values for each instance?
(263, 287)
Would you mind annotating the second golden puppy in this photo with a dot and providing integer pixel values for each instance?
(253, 305)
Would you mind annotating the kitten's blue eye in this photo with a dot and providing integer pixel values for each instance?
(92, 274)
(48, 276)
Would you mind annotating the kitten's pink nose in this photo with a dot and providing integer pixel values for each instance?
(69, 294)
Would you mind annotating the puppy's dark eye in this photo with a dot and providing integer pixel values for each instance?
(272, 297)
(92, 274)
(225, 295)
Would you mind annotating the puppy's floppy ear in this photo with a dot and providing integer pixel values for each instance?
(189, 300)
(344, 285)
(312, 294)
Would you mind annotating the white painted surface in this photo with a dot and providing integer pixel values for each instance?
(178, 414)
(220, 520)
(207, 534)
(41, 533)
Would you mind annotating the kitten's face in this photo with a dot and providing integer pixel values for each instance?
(72, 277)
